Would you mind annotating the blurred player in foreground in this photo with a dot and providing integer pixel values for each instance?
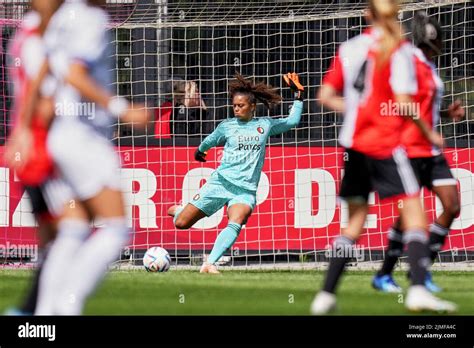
(428, 162)
(78, 140)
(371, 71)
(234, 183)
(27, 53)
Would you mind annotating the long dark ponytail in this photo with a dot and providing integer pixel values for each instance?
(259, 91)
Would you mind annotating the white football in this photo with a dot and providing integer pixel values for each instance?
(157, 259)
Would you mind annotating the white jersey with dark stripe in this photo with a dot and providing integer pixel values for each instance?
(77, 33)
(342, 75)
(353, 74)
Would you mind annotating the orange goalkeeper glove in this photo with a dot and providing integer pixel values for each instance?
(293, 81)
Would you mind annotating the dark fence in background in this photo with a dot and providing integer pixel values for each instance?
(148, 59)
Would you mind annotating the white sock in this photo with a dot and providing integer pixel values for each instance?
(71, 235)
(90, 265)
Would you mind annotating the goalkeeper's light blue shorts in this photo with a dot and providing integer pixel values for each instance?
(218, 192)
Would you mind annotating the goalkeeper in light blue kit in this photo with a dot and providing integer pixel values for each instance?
(234, 183)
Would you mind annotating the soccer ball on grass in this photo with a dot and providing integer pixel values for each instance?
(156, 259)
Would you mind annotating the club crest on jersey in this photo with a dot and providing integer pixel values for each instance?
(260, 130)
(196, 197)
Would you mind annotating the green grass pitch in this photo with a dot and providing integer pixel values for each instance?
(180, 292)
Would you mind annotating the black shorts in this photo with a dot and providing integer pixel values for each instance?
(38, 202)
(389, 177)
(432, 171)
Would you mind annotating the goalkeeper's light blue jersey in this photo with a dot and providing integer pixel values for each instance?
(244, 145)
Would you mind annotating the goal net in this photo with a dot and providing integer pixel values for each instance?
(179, 56)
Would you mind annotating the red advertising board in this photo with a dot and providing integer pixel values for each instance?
(297, 201)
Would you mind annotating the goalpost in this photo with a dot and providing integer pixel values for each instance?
(162, 44)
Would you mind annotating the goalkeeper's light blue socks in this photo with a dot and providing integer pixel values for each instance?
(224, 241)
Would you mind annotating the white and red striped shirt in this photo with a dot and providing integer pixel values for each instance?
(428, 98)
(28, 54)
(370, 124)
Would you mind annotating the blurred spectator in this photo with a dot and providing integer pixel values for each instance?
(183, 113)
(162, 120)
